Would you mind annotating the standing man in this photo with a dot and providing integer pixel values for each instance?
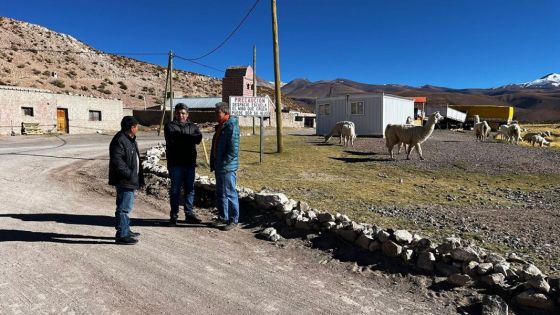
(181, 138)
(126, 175)
(224, 162)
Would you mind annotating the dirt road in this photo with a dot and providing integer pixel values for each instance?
(57, 254)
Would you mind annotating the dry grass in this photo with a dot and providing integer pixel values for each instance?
(554, 139)
(319, 175)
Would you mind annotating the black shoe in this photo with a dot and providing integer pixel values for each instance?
(133, 234)
(126, 240)
(172, 221)
(230, 226)
(218, 223)
(192, 218)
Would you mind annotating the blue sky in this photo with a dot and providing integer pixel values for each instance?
(453, 43)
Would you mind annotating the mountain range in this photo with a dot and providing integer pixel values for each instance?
(537, 100)
(34, 56)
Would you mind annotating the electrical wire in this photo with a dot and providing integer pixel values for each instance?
(227, 37)
(199, 63)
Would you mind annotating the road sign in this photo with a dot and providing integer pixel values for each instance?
(258, 106)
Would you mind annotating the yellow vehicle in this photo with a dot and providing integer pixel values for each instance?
(495, 115)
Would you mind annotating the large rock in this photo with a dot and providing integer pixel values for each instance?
(348, 235)
(458, 279)
(302, 223)
(485, 268)
(465, 254)
(426, 261)
(407, 255)
(445, 269)
(502, 267)
(383, 236)
(493, 280)
(538, 283)
(374, 246)
(530, 271)
(448, 245)
(325, 217)
(494, 258)
(402, 237)
(363, 241)
(268, 200)
(494, 305)
(311, 215)
(471, 268)
(391, 249)
(531, 298)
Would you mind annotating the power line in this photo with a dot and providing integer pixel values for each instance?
(199, 63)
(229, 36)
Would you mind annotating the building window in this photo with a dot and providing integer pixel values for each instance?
(298, 118)
(325, 109)
(27, 111)
(94, 115)
(357, 108)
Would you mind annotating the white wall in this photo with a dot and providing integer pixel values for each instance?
(396, 110)
(45, 103)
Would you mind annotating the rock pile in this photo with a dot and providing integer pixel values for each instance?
(463, 263)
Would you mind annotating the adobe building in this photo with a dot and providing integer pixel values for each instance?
(238, 81)
(52, 112)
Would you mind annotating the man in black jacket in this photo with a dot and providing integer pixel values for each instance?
(181, 138)
(125, 173)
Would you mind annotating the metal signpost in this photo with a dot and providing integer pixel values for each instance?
(252, 106)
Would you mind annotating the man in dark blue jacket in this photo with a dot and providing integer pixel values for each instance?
(224, 162)
(181, 138)
(125, 173)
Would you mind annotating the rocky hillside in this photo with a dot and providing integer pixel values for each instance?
(34, 56)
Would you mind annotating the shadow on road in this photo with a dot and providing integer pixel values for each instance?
(54, 156)
(94, 220)
(29, 236)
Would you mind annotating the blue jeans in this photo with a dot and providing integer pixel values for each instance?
(182, 176)
(227, 200)
(125, 203)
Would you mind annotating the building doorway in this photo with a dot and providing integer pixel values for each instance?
(62, 120)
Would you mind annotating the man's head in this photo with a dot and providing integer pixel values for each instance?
(129, 124)
(181, 112)
(222, 109)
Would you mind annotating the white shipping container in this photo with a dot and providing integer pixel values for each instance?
(369, 112)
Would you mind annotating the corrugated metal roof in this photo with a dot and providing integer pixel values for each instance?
(198, 102)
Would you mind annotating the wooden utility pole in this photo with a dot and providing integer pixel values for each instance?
(261, 129)
(165, 92)
(277, 82)
(170, 85)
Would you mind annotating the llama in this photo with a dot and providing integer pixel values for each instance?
(348, 134)
(413, 136)
(409, 123)
(538, 139)
(514, 134)
(481, 130)
(337, 130)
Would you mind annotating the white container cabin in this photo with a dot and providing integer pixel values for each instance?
(370, 112)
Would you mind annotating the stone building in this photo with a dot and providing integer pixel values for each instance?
(51, 112)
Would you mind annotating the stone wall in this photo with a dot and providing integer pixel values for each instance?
(461, 262)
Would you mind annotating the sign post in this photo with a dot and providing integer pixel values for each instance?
(252, 106)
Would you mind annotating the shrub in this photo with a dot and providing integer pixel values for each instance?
(36, 72)
(74, 86)
(58, 83)
(122, 85)
(84, 88)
